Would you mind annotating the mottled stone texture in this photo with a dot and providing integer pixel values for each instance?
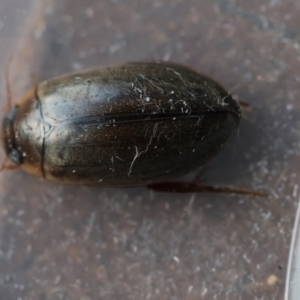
(64, 242)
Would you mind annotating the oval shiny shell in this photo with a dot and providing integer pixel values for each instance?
(134, 124)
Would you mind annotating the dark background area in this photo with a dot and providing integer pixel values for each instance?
(65, 242)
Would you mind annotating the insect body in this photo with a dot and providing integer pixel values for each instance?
(134, 124)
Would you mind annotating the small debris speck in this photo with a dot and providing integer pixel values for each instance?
(272, 279)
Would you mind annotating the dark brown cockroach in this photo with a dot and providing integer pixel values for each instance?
(130, 125)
